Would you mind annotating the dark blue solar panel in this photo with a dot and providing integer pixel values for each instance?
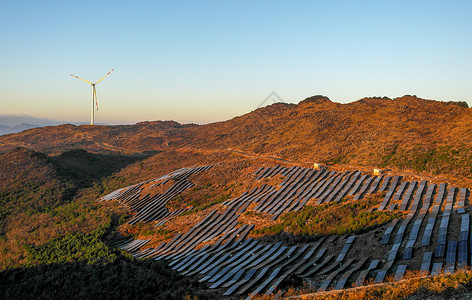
(451, 252)
(408, 252)
(442, 239)
(400, 272)
(464, 235)
(462, 255)
(380, 276)
(426, 261)
(440, 251)
(436, 269)
(385, 239)
(373, 264)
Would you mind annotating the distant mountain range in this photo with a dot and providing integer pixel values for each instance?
(17, 123)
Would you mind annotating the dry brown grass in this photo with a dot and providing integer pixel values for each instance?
(414, 285)
(428, 137)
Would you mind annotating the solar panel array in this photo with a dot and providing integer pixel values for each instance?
(218, 251)
(148, 205)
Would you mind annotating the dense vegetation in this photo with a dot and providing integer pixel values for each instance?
(74, 247)
(45, 198)
(82, 266)
(30, 183)
(439, 160)
(54, 230)
(86, 168)
(343, 217)
(122, 278)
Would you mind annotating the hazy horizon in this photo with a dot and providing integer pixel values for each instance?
(210, 61)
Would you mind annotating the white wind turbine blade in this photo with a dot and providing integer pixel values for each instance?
(81, 79)
(104, 76)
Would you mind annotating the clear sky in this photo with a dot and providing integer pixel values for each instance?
(205, 61)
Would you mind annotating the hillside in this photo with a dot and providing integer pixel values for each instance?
(296, 226)
(39, 197)
(30, 182)
(235, 208)
(406, 132)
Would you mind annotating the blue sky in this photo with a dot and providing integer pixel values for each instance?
(205, 61)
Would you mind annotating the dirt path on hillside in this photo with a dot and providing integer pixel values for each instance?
(269, 157)
(396, 172)
(106, 146)
(238, 152)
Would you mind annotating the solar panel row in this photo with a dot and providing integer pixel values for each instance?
(243, 265)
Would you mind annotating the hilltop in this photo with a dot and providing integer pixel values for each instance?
(407, 132)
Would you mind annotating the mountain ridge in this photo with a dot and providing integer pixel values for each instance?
(372, 131)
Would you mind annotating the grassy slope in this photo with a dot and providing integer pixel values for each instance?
(407, 132)
(338, 218)
(43, 198)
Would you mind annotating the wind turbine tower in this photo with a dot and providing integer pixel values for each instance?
(94, 94)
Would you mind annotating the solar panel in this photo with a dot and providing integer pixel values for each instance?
(390, 192)
(428, 197)
(407, 196)
(385, 239)
(436, 269)
(440, 251)
(407, 253)
(449, 269)
(318, 266)
(351, 239)
(442, 239)
(451, 195)
(364, 188)
(464, 235)
(341, 283)
(375, 185)
(400, 272)
(379, 278)
(426, 263)
(356, 188)
(451, 252)
(361, 278)
(327, 281)
(441, 193)
(462, 255)
(373, 264)
(401, 189)
(385, 184)
(399, 236)
(393, 252)
(311, 263)
(265, 283)
(244, 288)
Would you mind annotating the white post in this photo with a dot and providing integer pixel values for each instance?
(93, 103)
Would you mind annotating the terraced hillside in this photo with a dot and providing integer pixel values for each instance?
(407, 225)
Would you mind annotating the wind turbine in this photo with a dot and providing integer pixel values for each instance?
(94, 93)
